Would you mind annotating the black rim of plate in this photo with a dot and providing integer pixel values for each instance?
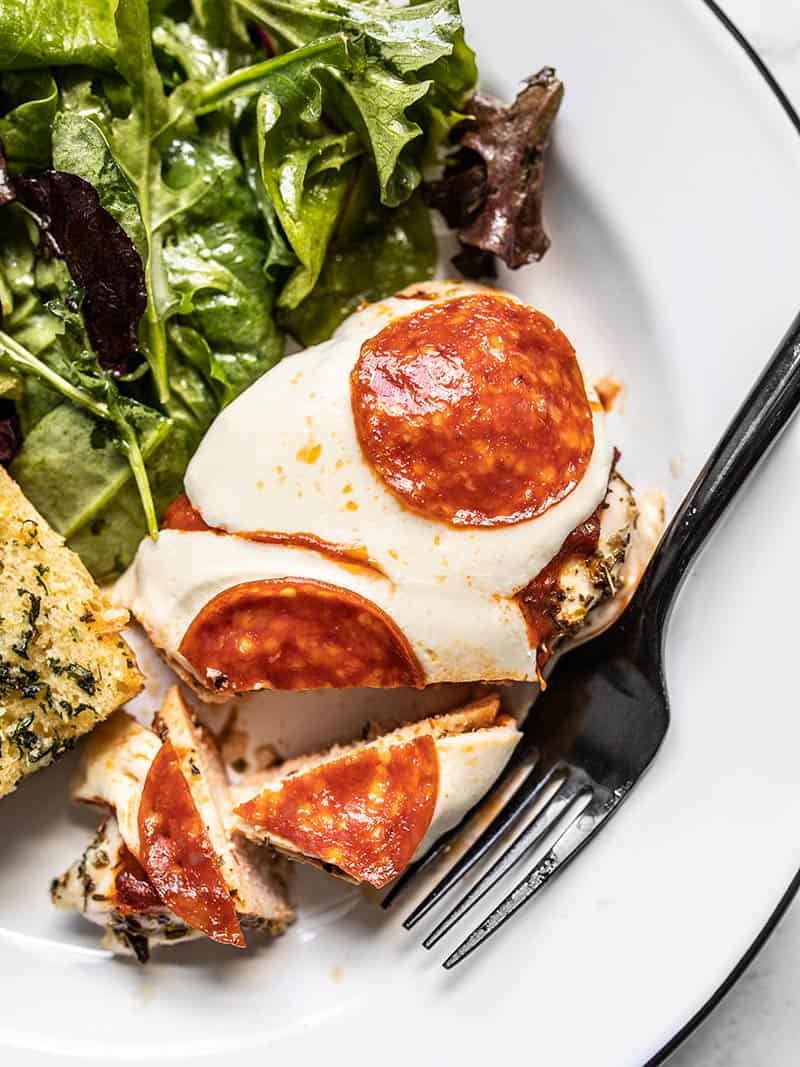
(703, 1013)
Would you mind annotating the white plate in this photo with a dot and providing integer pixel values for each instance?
(672, 202)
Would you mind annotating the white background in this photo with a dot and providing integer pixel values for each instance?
(758, 1024)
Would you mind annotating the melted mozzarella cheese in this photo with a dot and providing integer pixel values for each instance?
(176, 576)
(284, 457)
(468, 765)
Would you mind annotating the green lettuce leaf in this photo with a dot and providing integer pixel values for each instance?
(43, 33)
(360, 93)
(306, 178)
(225, 328)
(406, 37)
(72, 467)
(30, 99)
(392, 250)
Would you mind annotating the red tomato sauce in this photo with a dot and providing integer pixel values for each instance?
(539, 600)
(182, 515)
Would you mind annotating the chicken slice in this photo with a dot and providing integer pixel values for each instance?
(114, 774)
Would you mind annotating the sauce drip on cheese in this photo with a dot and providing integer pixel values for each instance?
(365, 813)
(182, 515)
(539, 600)
(297, 634)
(178, 856)
(473, 411)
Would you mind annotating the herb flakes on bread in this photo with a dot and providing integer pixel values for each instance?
(63, 665)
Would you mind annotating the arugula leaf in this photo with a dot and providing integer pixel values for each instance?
(394, 249)
(29, 100)
(362, 95)
(306, 179)
(423, 43)
(133, 141)
(40, 33)
(280, 257)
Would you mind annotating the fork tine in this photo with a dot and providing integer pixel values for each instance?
(566, 848)
(568, 793)
(524, 796)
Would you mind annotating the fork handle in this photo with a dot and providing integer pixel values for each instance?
(758, 423)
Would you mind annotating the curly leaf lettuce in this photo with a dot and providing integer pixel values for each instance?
(405, 37)
(491, 191)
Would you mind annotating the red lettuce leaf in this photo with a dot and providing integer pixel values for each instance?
(100, 256)
(491, 190)
(10, 433)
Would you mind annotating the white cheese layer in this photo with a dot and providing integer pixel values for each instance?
(468, 766)
(457, 632)
(284, 457)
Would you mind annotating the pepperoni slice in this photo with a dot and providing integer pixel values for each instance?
(365, 813)
(473, 411)
(177, 854)
(296, 634)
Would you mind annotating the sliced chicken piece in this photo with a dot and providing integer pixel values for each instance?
(171, 804)
(116, 761)
(365, 811)
(109, 887)
(256, 878)
(584, 583)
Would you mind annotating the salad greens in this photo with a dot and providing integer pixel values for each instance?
(491, 190)
(183, 183)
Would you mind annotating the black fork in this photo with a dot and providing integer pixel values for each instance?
(596, 728)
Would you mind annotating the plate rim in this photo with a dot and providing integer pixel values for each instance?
(769, 927)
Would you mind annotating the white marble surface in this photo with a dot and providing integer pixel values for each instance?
(758, 1024)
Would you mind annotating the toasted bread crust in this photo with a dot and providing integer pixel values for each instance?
(64, 665)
